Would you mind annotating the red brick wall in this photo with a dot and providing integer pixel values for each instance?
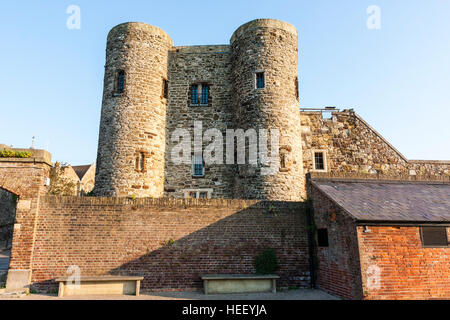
(406, 269)
(120, 236)
(25, 178)
(338, 268)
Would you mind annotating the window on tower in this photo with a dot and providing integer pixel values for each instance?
(165, 89)
(260, 80)
(120, 82)
(140, 162)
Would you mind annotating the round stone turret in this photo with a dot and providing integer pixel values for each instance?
(265, 96)
(130, 158)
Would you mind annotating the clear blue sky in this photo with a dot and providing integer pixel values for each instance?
(397, 78)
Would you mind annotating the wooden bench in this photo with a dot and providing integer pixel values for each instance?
(239, 283)
(99, 285)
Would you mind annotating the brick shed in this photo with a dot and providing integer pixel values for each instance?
(380, 239)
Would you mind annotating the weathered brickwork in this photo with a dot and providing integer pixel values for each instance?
(382, 262)
(352, 146)
(26, 179)
(338, 266)
(406, 269)
(121, 236)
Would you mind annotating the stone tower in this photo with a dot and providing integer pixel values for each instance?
(268, 49)
(130, 156)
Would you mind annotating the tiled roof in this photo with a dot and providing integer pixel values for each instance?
(81, 170)
(391, 201)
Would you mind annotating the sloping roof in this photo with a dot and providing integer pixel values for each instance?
(81, 170)
(390, 201)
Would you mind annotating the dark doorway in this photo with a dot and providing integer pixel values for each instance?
(8, 203)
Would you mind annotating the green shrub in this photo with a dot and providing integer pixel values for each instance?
(266, 262)
(6, 153)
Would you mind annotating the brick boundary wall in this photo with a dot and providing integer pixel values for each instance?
(133, 237)
(406, 269)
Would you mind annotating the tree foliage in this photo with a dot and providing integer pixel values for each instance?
(60, 185)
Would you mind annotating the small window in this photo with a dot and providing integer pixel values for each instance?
(198, 193)
(140, 162)
(192, 194)
(322, 237)
(296, 89)
(165, 89)
(120, 84)
(319, 160)
(198, 170)
(194, 94)
(434, 236)
(283, 164)
(205, 92)
(260, 80)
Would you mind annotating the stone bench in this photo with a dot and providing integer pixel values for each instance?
(100, 285)
(239, 283)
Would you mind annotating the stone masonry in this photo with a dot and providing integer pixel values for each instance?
(137, 124)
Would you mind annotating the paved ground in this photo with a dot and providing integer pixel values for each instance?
(4, 259)
(300, 294)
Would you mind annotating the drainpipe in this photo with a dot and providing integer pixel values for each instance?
(309, 224)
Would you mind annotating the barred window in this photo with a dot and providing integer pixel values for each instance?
(205, 91)
(194, 94)
(319, 161)
(260, 81)
(198, 170)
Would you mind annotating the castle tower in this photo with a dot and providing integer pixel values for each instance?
(130, 156)
(265, 96)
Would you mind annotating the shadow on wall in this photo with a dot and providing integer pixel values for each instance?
(171, 250)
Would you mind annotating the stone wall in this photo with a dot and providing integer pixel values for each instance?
(353, 146)
(130, 156)
(271, 47)
(170, 242)
(8, 202)
(199, 65)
